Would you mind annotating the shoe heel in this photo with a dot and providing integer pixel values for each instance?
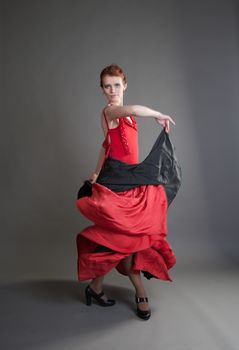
(88, 299)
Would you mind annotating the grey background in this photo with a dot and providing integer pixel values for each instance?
(180, 57)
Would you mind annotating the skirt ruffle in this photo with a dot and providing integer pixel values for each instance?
(132, 222)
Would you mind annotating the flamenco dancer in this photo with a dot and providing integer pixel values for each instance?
(130, 221)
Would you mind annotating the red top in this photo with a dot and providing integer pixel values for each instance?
(122, 142)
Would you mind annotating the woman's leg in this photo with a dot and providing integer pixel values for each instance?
(96, 284)
(135, 278)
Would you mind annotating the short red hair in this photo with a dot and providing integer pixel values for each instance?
(114, 71)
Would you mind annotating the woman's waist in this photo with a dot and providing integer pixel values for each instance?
(131, 158)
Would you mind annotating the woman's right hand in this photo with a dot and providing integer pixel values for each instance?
(93, 177)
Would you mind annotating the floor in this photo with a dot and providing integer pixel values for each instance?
(198, 310)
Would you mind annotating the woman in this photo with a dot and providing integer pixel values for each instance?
(119, 239)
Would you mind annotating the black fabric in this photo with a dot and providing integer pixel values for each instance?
(101, 248)
(85, 190)
(159, 167)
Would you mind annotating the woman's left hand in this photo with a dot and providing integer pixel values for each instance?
(165, 121)
(93, 178)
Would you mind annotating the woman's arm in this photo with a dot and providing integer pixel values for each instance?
(101, 157)
(100, 162)
(113, 112)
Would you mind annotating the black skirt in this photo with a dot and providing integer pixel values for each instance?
(160, 167)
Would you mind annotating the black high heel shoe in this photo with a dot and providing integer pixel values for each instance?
(90, 293)
(144, 314)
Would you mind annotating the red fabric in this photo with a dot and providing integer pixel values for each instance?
(129, 222)
(117, 139)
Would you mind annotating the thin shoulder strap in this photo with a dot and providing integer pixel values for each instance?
(106, 119)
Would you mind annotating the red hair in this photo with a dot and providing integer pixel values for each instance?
(114, 71)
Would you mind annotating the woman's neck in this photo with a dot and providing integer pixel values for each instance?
(115, 104)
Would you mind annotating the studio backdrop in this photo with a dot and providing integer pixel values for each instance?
(180, 57)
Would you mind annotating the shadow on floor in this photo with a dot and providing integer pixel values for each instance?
(42, 311)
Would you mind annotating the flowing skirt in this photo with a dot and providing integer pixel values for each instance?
(132, 221)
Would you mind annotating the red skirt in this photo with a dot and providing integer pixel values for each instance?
(132, 222)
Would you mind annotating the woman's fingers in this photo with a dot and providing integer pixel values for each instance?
(172, 121)
(165, 121)
(168, 118)
(167, 126)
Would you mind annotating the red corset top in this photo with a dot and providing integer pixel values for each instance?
(122, 142)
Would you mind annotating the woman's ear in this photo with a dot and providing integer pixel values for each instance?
(125, 86)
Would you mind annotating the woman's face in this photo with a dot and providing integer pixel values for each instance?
(113, 88)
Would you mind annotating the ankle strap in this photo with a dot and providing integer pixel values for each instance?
(94, 293)
(141, 299)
